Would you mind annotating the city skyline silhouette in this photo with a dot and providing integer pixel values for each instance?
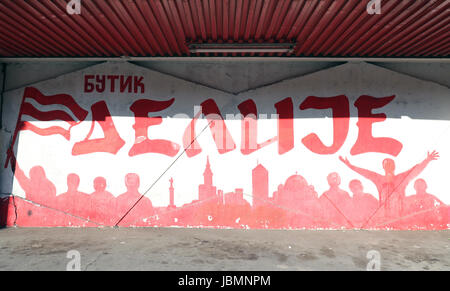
(295, 203)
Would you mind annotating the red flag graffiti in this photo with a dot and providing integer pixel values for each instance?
(68, 105)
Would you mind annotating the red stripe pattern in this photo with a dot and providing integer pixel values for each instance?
(321, 28)
(67, 104)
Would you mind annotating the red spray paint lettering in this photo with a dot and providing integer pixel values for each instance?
(113, 83)
(112, 142)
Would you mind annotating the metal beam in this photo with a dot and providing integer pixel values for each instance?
(224, 59)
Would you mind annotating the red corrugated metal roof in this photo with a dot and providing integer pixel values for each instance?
(321, 28)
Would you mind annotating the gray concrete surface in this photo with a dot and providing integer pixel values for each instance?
(230, 76)
(211, 249)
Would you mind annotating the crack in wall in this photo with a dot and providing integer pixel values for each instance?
(54, 209)
(15, 211)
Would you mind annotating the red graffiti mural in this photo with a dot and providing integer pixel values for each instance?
(391, 187)
(341, 114)
(285, 135)
(65, 101)
(295, 203)
(366, 142)
(143, 144)
(112, 142)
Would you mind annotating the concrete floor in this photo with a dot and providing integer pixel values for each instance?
(210, 249)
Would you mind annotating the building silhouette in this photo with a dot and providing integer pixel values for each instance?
(207, 190)
(297, 194)
(236, 198)
(220, 196)
(260, 186)
(171, 195)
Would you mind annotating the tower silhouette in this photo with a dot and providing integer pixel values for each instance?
(172, 194)
(260, 185)
(206, 190)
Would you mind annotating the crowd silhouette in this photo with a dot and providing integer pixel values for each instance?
(295, 204)
(391, 187)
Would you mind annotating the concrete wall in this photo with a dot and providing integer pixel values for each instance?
(229, 76)
(2, 77)
(236, 76)
(434, 72)
(78, 172)
(23, 74)
(4, 135)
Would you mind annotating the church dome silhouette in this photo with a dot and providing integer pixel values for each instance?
(295, 182)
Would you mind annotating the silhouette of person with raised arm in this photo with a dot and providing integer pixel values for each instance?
(125, 202)
(336, 203)
(103, 207)
(73, 201)
(364, 204)
(391, 187)
(37, 188)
